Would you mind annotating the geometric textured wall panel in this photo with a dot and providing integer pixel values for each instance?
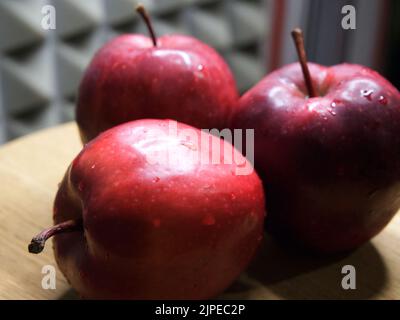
(20, 126)
(27, 80)
(120, 12)
(249, 22)
(20, 24)
(209, 27)
(22, 93)
(77, 16)
(40, 70)
(246, 67)
(71, 64)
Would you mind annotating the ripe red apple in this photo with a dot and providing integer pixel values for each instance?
(330, 161)
(171, 77)
(148, 218)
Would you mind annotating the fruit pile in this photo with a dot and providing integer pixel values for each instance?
(155, 208)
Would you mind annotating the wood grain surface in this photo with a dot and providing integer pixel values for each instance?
(32, 167)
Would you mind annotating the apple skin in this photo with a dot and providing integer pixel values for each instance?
(156, 230)
(129, 79)
(330, 164)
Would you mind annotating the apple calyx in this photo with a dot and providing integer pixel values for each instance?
(38, 242)
(145, 16)
(298, 39)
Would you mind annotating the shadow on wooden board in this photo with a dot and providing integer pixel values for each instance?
(282, 273)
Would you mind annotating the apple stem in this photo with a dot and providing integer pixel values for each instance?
(143, 13)
(38, 242)
(298, 38)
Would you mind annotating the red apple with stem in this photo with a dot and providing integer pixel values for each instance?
(141, 214)
(170, 77)
(327, 145)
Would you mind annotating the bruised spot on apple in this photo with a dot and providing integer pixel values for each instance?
(171, 77)
(330, 163)
(144, 228)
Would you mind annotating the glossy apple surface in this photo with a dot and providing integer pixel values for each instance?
(129, 79)
(330, 164)
(156, 229)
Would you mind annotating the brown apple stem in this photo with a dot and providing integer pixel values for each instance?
(38, 242)
(298, 38)
(143, 13)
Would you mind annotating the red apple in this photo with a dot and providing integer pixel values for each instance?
(148, 218)
(331, 162)
(171, 77)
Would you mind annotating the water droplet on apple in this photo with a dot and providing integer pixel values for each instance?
(93, 166)
(382, 100)
(200, 67)
(233, 196)
(209, 220)
(331, 111)
(156, 179)
(367, 94)
(335, 103)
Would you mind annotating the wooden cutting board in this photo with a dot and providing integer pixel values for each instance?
(31, 168)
